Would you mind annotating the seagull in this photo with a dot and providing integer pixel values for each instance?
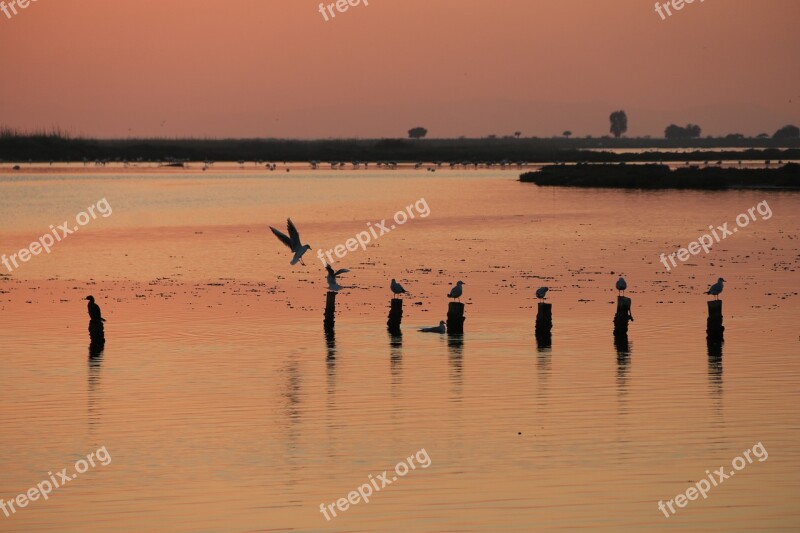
(455, 292)
(332, 285)
(716, 289)
(441, 328)
(541, 291)
(396, 287)
(622, 285)
(94, 310)
(292, 241)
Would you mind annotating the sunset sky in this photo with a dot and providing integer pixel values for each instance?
(269, 68)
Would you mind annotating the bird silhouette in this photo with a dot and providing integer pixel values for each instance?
(622, 285)
(540, 292)
(456, 291)
(94, 310)
(292, 242)
(441, 328)
(397, 289)
(332, 284)
(716, 289)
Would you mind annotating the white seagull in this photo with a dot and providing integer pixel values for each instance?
(716, 289)
(541, 291)
(622, 285)
(332, 285)
(396, 287)
(456, 291)
(292, 241)
(441, 328)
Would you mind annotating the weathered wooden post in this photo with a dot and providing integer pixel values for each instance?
(330, 311)
(455, 318)
(395, 316)
(622, 316)
(714, 327)
(97, 332)
(544, 320)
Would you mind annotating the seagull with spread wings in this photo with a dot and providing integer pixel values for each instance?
(332, 285)
(292, 241)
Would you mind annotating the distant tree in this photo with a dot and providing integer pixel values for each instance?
(734, 136)
(691, 131)
(619, 123)
(417, 133)
(762, 136)
(492, 136)
(517, 134)
(567, 134)
(787, 132)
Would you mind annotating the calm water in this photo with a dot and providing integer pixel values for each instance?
(224, 407)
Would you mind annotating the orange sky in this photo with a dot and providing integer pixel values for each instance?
(275, 68)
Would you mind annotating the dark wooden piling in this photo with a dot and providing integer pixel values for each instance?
(455, 318)
(395, 315)
(714, 327)
(544, 320)
(97, 332)
(622, 316)
(330, 311)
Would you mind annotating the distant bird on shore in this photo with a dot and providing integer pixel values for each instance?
(332, 285)
(94, 310)
(716, 289)
(292, 241)
(441, 328)
(622, 285)
(456, 291)
(397, 289)
(541, 291)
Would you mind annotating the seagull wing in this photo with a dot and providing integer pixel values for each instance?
(340, 271)
(293, 234)
(283, 238)
(330, 270)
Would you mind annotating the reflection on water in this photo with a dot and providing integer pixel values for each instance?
(623, 347)
(396, 357)
(93, 384)
(715, 373)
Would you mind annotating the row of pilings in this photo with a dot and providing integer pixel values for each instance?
(544, 318)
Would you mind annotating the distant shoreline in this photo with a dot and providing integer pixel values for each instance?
(621, 176)
(54, 147)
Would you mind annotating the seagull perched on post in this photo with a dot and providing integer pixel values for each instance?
(456, 291)
(397, 289)
(622, 285)
(716, 289)
(540, 292)
(94, 310)
(441, 328)
(292, 241)
(332, 285)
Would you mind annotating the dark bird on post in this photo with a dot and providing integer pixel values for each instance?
(397, 289)
(541, 291)
(716, 289)
(622, 285)
(332, 285)
(456, 291)
(94, 310)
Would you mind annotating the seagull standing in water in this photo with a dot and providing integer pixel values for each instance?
(622, 285)
(456, 291)
(716, 289)
(441, 328)
(292, 241)
(332, 285)
(540, 293)
(397, 289)
(94, 310)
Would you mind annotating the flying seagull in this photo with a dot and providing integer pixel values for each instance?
(716, 289)
(622, 285)
(94, 310)
(441, 328)
(332, 285)
(292, 241)
(540, 292)
(397, 289)
(456, 291)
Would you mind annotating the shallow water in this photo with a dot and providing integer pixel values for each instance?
(225, 408)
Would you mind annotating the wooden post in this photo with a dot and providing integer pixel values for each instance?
(622, 316)
(395, 316)
(455, 318)
(96, 332)
(330, 311)
(714, 327)
(544, 320)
